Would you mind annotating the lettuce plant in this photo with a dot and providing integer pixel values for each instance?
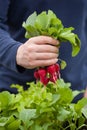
(42, 108)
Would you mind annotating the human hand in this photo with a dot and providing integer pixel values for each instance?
(38, 51)
(85, 94)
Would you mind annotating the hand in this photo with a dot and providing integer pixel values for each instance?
(37, 51)
(85, 94)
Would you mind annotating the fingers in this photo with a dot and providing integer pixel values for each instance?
(44, 40)
(37, 51)
(43, 48)
(41, 63)
(85, 94)
(42, 56)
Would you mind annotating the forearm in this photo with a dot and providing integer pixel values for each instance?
(8, 50)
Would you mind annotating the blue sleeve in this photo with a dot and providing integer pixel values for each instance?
(8, 46)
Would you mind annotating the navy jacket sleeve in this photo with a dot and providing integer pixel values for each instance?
(8, 46)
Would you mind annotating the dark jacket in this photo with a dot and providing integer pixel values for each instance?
(14, 12)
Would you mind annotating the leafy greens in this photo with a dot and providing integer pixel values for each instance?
(48, 24)
(42, 108)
